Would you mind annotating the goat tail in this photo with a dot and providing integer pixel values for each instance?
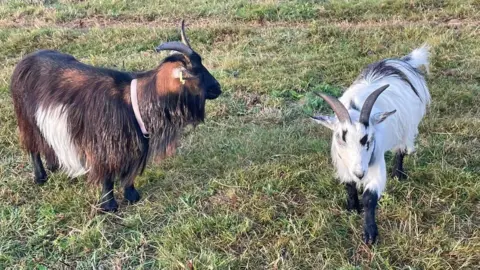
(419, 57)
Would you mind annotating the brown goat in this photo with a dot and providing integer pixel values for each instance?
(82, 118)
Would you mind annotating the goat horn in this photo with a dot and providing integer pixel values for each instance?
(184, 36)
(337, 107)
(368, 105)
(175, 46)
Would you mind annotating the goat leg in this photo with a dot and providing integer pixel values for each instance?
(370, 229)
(131, 194)
(352, 200)
(398, 170)
(52, 162)
(107, 200)
(38, 169)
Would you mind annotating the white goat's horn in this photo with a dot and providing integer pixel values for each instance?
(368, 105)
(340, 111)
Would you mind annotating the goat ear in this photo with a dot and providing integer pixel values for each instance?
(379, 117)
(182, 73)
(327, 121)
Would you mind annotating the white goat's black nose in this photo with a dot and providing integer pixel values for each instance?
(360, 175)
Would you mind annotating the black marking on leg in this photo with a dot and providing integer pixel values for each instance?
(107, 199)
(370, 229)
(131, 194)
(398, 170)
(38, 169)
(352, 200)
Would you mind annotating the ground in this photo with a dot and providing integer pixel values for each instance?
(253, 186)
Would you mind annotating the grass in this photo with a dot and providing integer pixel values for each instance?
(253, 187)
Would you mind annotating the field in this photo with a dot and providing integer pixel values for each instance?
(253, 187)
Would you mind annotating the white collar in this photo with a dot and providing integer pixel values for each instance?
(136, 109)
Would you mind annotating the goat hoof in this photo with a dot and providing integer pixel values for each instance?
(400, 175)
(40, 180)
(131, 195)
(370, 232)
(109, 206)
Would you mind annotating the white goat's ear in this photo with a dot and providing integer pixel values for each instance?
(379, 117)
(327, 121)
(181, 73)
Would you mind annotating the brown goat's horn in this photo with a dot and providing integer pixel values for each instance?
(337, 107)
(175, 46)
(368, 105)
(184, 36)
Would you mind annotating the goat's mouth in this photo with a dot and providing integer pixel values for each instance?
(359, 175)
(213, 93)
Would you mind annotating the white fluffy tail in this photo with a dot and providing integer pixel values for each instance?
(419, 57)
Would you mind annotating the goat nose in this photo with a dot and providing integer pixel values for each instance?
(360, 175)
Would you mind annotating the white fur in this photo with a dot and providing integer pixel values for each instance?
(419, 57)
(177, 72)
(396, 132)
(53, 124)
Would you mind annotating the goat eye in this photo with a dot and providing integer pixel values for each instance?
(363, 140)
(344, 135)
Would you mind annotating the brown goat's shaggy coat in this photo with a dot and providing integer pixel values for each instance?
(80, 117)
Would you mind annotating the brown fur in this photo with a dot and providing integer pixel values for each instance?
(126, 95)
(165, 83)
(192, 86)
(102, 122)
(73, 78)
(170, 151)
(102, 127)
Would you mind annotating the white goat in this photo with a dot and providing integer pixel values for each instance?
(361, 136)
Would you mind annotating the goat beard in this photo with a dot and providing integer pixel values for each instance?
(166, 117)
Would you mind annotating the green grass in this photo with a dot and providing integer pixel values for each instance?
(253, 187)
